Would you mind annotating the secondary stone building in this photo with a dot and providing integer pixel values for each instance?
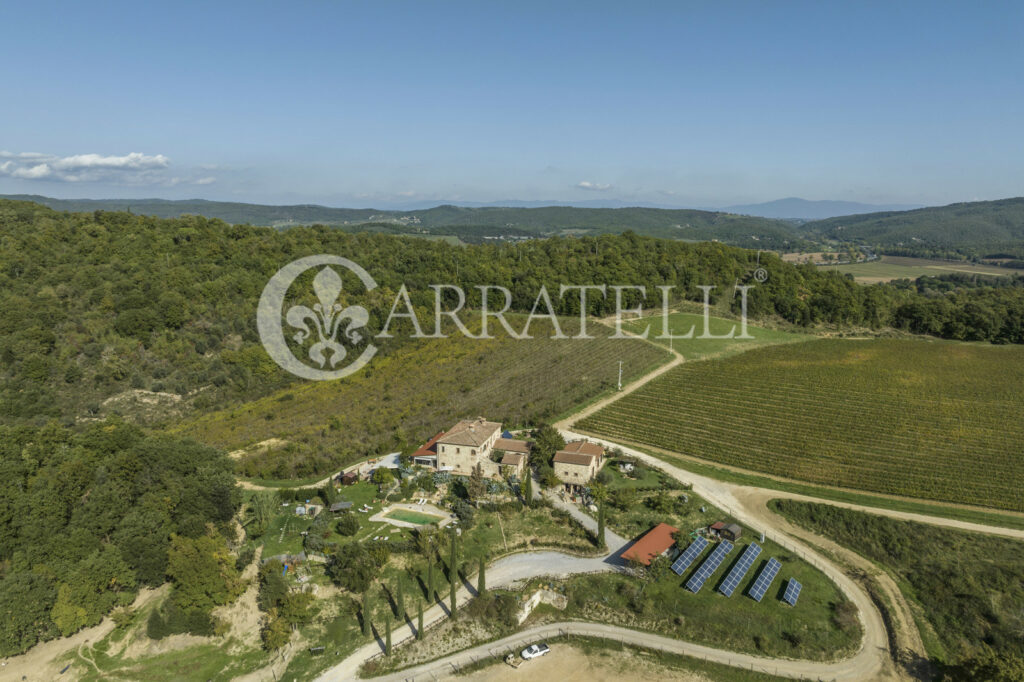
(577, 463)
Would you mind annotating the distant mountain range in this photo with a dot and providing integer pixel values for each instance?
(966, 229)
(976, 228)
(470, 223)
(794, 208)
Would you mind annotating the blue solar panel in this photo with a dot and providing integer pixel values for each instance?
(740, 569)
(792, 592)
(709, 566)
(764, 580)
(684, 560)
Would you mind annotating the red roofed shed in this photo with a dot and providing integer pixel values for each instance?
(653, 544)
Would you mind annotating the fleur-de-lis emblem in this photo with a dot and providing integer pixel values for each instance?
(326, 318)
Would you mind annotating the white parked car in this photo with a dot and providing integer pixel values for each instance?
(535, 651)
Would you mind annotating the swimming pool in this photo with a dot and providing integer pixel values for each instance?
(410, 516)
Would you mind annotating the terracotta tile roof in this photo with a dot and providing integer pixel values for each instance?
(471, 432)
(651, 545)
(511, 445)
(584, 447)
(563, 457)
(429, 449)
(513, 458)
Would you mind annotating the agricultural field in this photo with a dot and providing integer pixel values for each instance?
(968, 588)
(888, 268)
(402, 399)
(681, 323)
(928, 419)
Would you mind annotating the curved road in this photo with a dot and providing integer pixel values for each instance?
(748, 505)
(871, 661)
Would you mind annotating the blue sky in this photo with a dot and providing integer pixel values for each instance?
(386, 103)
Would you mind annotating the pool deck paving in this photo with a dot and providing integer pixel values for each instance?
(382, 516)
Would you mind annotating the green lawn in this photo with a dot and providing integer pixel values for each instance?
(642, 477)
(812, 630)
(698, 348)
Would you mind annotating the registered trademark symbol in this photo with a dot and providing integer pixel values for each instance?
(761, 275)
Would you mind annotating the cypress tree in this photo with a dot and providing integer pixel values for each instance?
(481, 585)
(600, 527)
(452, 588)
(399, 600)
(430, 581)
(387, 634)
(366, 613)
(419, 622)
(453, 570)
(528, 489)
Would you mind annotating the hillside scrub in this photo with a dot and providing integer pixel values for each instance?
(970, 587)
(158, 313)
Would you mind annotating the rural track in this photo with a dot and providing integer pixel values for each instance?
(871, 661)
(450, 665)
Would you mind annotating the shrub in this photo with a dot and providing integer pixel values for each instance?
(348, 525)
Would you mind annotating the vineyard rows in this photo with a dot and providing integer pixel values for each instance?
(933, 420)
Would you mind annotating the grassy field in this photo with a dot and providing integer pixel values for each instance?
(926, 419)
(699, 349)
(948, 511)
(888, 268)
(820, 627)
(969, 587)
(402, 399)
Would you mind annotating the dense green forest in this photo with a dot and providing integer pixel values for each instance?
(89, 516)
(966, 230)
(970, 586)
(96, 305)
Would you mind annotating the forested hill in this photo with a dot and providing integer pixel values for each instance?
(979, 228)
(94, 306)
(692, 225)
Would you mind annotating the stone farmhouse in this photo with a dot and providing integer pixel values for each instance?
(577, 464)
(471, 445)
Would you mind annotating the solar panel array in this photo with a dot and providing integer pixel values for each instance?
(684, 560)
(709, 566)
(792, 592)
(764, 580)
(732, 580)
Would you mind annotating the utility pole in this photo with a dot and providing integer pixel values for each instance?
(620, 375)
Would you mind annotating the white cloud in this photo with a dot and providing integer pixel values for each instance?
(36, 172)
(133, 161)
(593, 186)
(134, 168)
